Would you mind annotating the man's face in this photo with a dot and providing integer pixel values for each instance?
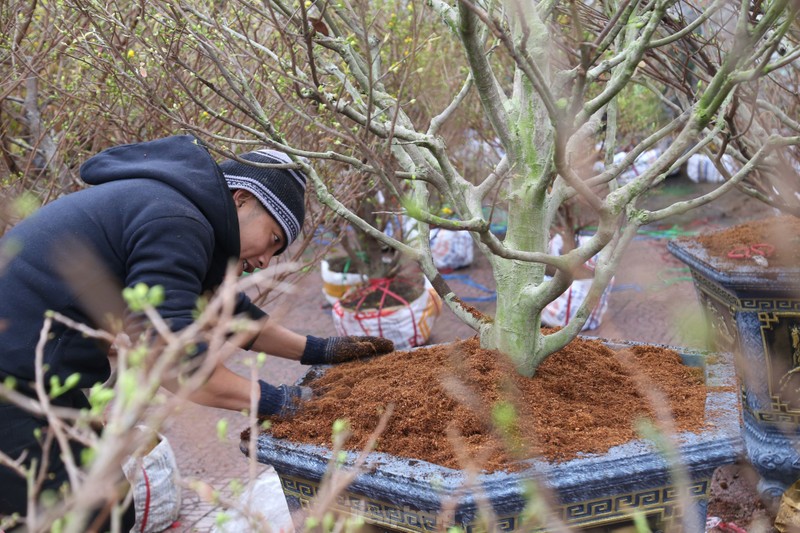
(261, 236)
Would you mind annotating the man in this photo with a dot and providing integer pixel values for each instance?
(159, 213)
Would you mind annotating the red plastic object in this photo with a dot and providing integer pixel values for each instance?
(745, 252)
(763, 248)
(730, 527)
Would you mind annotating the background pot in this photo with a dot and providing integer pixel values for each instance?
(754, 312)
(335, 283)
(407, 324)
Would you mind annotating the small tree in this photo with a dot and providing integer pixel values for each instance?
(391, 89)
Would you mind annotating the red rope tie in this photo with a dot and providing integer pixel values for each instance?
(569, 303)
(382, 284)
(146, 499)
(746, 252)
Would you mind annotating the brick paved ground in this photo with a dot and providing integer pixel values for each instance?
(653, 301)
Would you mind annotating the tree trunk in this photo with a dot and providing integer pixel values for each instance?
(517, 320)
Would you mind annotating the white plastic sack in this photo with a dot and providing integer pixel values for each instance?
(406, 325)
(700, 168)
(561, 310)
(335, 284)
(264, 501)
(451, 249)
(639, 166)
(156, 495)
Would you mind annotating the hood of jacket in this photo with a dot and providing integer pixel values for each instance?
(181, 162)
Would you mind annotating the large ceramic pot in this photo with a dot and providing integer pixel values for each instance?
(402, 494)
(754, 312)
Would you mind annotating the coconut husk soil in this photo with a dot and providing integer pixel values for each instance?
(585, 398)
(781, 232)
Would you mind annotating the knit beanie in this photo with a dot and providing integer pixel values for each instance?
(280, 190)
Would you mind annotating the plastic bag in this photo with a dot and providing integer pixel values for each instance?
(700, 168)
(639, 166)
(451, 249)
(406, 325)
(156, 495)
(788, 518)
(264, 497)
(561, 310)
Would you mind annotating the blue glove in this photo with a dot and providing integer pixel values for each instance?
(335, 350)
(282, 401)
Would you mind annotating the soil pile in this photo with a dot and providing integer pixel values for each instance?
(780, 234)
(584, 398)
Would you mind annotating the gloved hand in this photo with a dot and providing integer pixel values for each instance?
(340, 349)
(283, 401)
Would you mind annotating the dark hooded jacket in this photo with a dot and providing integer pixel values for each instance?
(159, 213)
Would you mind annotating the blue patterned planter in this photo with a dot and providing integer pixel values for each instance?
(402, 494)
(754, 312)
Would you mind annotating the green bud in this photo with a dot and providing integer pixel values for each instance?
(235, 487)
(221, 518)
(10, 383)
(504, 415)
(222, 429)
(640, 522)
(58, 525)
(340, 425)
(328, 521)
(99, 397)
(87, 456)
(140, 291)
(341, 458)
(156, 295)
(137, 355)
(128, 386)
(72, 381)
(26, 204)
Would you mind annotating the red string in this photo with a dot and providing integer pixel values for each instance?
(748, 251)
(146, 499)
(569, 302)
(382, 284)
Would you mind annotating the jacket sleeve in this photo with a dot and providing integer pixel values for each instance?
(245, 306)
(173, 252)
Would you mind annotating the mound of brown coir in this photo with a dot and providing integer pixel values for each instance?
(584, 398)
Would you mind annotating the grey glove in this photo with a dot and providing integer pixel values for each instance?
(335, 350)
(282, 401)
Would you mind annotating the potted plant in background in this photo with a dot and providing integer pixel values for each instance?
(372, 289)
(546, 92)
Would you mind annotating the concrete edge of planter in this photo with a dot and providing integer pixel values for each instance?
(628, 467)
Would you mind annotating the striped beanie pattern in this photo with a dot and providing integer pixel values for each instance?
(280, 190)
